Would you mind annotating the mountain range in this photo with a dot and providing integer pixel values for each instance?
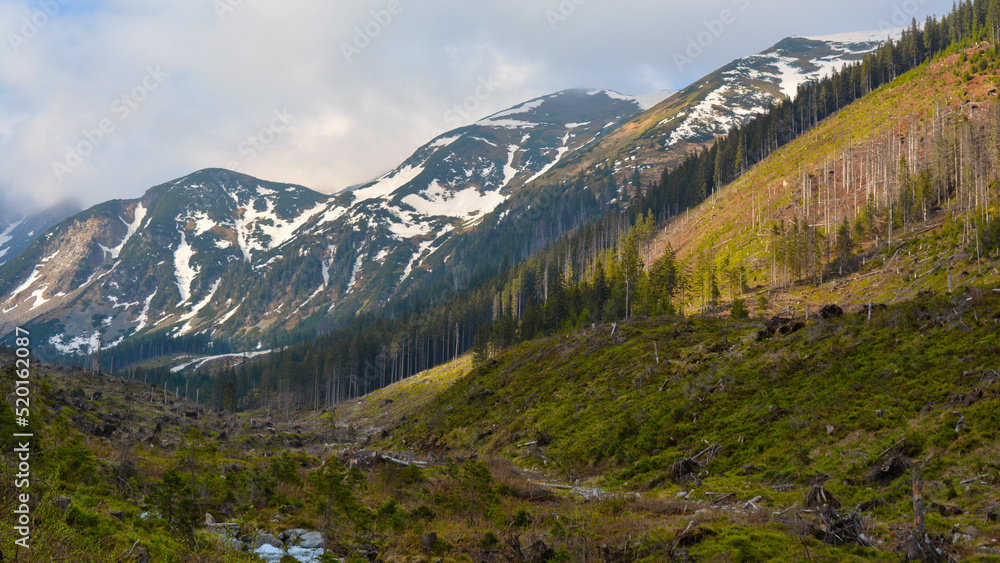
(222, 255)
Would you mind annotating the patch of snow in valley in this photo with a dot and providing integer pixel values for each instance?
(75, 345)
(198, 363)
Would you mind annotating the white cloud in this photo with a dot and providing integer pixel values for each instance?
(354, 119)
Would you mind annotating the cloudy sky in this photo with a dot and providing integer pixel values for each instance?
(104, 99)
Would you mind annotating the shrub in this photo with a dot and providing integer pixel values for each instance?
(739, 309)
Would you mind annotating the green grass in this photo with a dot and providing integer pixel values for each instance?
(766, 406)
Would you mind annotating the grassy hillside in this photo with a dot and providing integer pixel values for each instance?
(577, 446)
(828, 175)
(845, 403)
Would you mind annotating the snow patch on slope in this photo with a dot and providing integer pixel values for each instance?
(39, 295)
(75, 345)
(507, 123)
(389, 183)
(183, 271)
(27, 283)
(518, 110)
(444, 142)
(560, 153)
(416, 256)
(264, 230)
(188, 327)
(355, 271)
(509, 172)
(140, 214)
(437, 200)
(144, 315)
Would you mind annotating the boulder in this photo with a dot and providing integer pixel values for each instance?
(428, 540)
(310, 540)
(209, 519)
(831, 311)
(291, 535)
(264, 538)
(117, 515)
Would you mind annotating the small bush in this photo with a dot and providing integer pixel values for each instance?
(739, 309)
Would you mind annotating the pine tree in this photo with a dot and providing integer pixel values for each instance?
(845, 244)
(631, 267)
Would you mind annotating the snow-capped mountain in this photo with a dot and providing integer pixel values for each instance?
(17, 232)
(227, 255)
(729, 96)
(218, 254)
(469, 171)
(747, 86)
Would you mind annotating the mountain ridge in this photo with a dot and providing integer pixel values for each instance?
(315, 258)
